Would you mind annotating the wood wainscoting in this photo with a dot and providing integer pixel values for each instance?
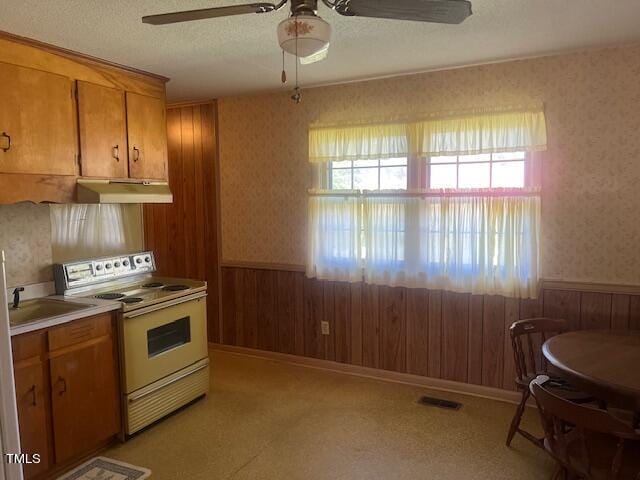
(449, 336)
(185, 235)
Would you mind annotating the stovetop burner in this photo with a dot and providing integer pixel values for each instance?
(131, 300)
(110, 296)
(153, 285)
(175, 288)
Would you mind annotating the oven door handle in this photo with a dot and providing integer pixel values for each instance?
(160, 306)
(169, 381)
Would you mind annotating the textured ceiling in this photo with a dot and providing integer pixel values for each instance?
(239, 55)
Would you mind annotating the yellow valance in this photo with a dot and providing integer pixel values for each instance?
(363, 142)
(467, 134)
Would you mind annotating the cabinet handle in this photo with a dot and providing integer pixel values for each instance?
(33, 395)
(64, 385)
(8, 137)
(136, 154)
(116, 152)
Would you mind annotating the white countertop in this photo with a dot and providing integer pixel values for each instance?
(97, 306)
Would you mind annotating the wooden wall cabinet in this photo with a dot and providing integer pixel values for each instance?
(102, 126)
(37, 122)
(118, 138)
(50, 135)
(147, 133)
(67, 389)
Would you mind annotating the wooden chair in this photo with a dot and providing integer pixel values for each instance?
(530, 363)
(587, 443)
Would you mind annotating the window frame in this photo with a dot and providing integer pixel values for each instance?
(328, 176)
(425, 167)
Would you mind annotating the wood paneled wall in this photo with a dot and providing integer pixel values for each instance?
(451, 336)
(185, 234)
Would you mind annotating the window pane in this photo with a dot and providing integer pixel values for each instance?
(443, 176)
(365, 163)
(508, 156)
(341, 179)
(474, 175)
(391, 162)
(346, 164)
(365, 178)
(482, 157)
(444, 159)
(508, 174)
(393, 178)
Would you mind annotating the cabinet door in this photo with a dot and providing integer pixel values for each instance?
(32, 415)
(37, 122)
(147, 133)
(84, 397)
(102, 130)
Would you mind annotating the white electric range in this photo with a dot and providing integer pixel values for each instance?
(162, 331)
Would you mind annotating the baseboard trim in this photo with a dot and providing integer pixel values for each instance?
(377, 374)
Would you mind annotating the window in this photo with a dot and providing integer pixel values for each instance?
(388, 174)
(480, 236)
(485, 170)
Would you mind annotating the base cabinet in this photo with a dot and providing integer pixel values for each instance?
(31, 395)
(84, 398)
(68, 392)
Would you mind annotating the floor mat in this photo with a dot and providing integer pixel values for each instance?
(102, 468)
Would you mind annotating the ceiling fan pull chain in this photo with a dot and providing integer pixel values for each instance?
(284, 73)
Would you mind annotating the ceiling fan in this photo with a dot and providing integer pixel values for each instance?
(306, 35)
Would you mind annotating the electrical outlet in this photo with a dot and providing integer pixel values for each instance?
(325, 328)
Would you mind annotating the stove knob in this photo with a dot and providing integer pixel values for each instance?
(125, 263)
(147, 259)
(107, 266)
(138, 261)
(98, 267)
(117, 264)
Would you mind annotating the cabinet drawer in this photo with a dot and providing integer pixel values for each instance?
(27, 345)
(79, 331)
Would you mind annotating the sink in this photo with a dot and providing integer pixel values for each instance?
(41, 309)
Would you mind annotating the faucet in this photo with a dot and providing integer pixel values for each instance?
(16, 296)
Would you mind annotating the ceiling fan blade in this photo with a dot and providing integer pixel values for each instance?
(437, 11)
(204, 13)
(316, 57)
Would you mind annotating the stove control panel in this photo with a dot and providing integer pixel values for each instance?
(93, 271)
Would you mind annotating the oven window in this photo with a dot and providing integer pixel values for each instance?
(168, 336)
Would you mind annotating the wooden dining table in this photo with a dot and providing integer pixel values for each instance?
(603, 363)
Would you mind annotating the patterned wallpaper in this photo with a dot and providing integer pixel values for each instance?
(36, 236)
(25, 237)
(591, 173)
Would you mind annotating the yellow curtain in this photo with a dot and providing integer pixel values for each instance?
(462, 134)
(472, 134)
(366, 142)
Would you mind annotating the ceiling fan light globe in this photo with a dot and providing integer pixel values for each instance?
(313, 35)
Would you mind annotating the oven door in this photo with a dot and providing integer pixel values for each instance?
(160, 340)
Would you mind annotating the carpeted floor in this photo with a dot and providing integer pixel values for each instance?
(268, 420)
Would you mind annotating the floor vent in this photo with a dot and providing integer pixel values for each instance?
(440, 403)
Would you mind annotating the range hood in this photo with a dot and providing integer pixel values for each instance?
(114, 191)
